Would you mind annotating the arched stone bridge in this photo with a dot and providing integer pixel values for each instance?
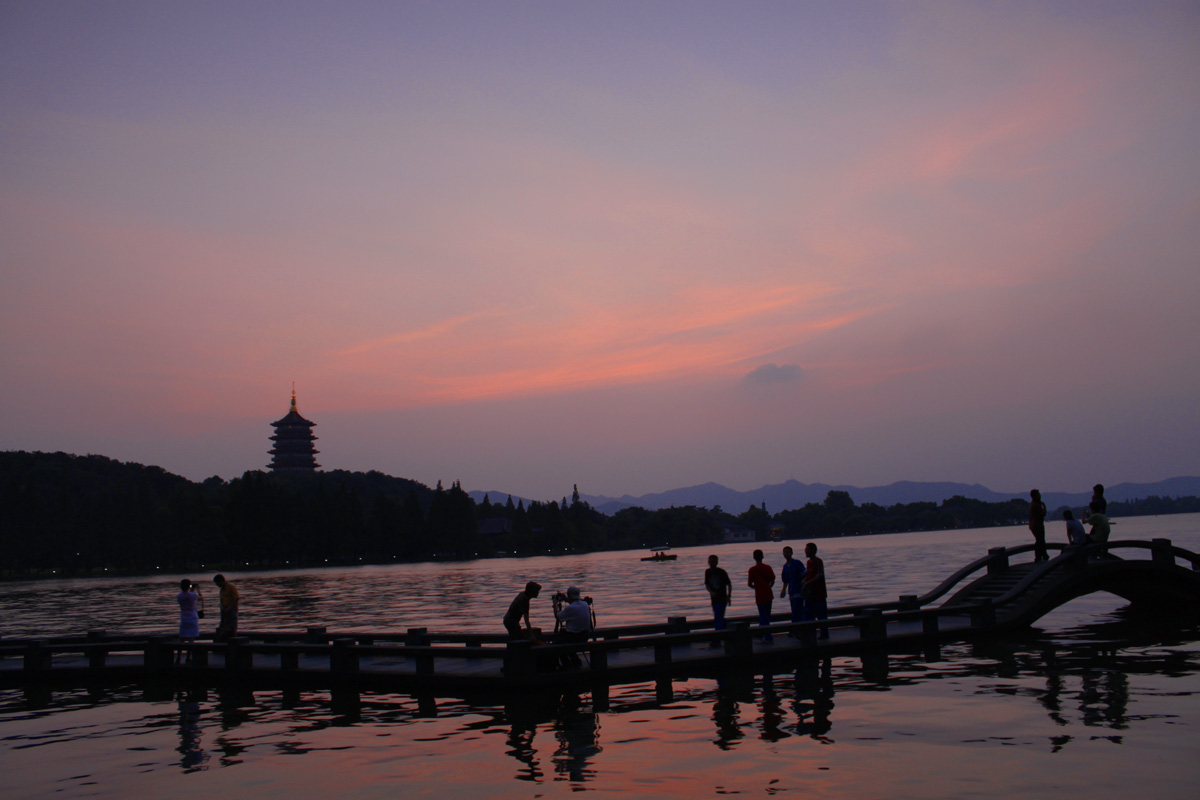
(1146, 573)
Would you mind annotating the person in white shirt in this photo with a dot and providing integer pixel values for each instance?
(575, 619)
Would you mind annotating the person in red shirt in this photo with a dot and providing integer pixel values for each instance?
(816, 604)
(761, 578)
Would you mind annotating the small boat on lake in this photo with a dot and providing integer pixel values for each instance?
(660, 554)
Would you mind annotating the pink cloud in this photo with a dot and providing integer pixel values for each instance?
(704, 329)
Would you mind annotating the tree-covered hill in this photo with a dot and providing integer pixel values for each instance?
(88, 514)
(63, 514)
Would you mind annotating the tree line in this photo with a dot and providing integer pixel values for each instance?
(63, 514)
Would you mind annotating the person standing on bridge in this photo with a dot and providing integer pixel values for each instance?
(761, 578)
(792, 577)
(229, 599)
(1037, 524)
(816, 596)
(191, 609)
(720, 591)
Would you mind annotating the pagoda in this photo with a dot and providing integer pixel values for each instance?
(293, 438)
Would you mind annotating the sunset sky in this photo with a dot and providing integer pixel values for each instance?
(632, 246)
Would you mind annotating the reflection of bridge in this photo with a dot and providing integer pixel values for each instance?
(995, 593)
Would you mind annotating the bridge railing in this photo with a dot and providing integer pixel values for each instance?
(996, 560)
(1162, 551)
(358, 655)
(1072, 557)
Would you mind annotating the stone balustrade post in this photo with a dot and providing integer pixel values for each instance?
(740, 642)
(237, 656)
(97, 657)
(998, 563)
(518, 658)
(871, 625)
(343, 659)
(37, 656)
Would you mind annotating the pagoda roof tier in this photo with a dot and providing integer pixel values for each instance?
(293, 419)
(293, 436)
(310, 467)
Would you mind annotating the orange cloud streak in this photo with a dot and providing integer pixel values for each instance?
(708, 329)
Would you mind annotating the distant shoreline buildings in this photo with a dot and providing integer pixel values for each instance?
(293, 450)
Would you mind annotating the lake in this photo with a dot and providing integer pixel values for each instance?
(1095, 701)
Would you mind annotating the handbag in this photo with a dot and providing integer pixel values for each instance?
(200, 614)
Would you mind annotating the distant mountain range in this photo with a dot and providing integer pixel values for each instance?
(793, 494)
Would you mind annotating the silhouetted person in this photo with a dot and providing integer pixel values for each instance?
(191, 606)
(816, 596)
(1096, 515)
(1037, 524)
(792, 578)
(761, 578)
(229, 599)
(720, 591)
(1101, 527)
(1076, 535)
(518, 610)
(576, 624)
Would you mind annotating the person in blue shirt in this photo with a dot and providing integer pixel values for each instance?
(791, 577)
(720, 590)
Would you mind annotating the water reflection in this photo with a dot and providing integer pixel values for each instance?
(524, 715)
(837, 727)
(577, 731)
(1077, 680)
(193, 756)
(725, 716)
(812, 702)
(298, 596)
(806, 694)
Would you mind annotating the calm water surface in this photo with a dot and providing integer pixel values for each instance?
(1095, 701)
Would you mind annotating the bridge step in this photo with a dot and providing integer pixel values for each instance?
(991, 587)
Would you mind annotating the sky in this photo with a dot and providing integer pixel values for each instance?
(624, 246)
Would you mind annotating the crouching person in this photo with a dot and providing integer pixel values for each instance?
(575, 624)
